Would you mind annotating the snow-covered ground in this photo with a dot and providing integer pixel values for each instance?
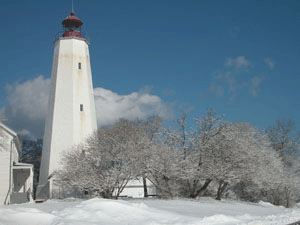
(146, 212)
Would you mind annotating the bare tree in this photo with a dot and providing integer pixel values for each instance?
(227, 153)
(284, 138)
(152, 126)
(250, 158)
(202, 147)
(182, 137)
(108, 160)
(185, 161)
(163, 169)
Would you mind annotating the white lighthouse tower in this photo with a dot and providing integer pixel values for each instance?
(71, 115)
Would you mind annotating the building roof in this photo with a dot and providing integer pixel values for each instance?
(72, 21)
(12, 133)
(23, 165)
(8, 130)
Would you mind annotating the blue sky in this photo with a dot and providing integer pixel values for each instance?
(239, 57)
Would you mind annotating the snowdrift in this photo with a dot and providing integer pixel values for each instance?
(146, 212)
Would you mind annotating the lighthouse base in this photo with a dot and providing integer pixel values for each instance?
(42, 192)
(54, 189)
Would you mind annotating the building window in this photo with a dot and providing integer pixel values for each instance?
(81, 107)
(79, 66)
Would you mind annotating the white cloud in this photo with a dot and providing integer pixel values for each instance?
(231, 83)
(239, 63)
(255, 82)
(270, 63)
(27, 105)
(28, 101)
(227, 82)
(110, 106)
(24, 132)
(217, 89)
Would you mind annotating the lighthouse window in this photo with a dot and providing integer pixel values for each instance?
(79, 66)
(81, 107)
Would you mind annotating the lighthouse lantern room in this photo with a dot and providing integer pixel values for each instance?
(72, 26)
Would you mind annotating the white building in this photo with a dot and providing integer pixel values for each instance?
(16, 179)
(136, 189)
(71, 109)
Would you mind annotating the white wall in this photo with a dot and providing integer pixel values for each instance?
(135, 189)
(5, 148)
(70, 86)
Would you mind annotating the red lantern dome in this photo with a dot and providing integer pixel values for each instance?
(72, 26)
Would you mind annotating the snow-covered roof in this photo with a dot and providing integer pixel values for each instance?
(23, 165)
(12, 133)
(8, 130)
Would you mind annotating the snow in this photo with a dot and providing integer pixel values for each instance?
(205, 211)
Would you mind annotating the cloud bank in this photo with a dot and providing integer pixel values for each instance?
(138, 105)
(28, 102)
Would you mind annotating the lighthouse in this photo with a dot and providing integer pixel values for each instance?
(71, 115)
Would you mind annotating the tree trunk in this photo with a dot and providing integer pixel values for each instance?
(202, 189)
(166, 179)
(287, 196)
(145, 187)
(221, 189)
